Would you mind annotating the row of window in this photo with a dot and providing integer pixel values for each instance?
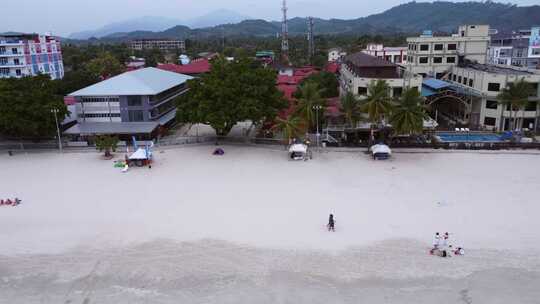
(14, 51)
(463, 80)
(397, 91)
(5, 71)
(99, 115)
(425, 60)
(436, 47)
(494, 104)
(101, 99)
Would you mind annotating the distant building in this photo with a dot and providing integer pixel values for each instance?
(132, 103)
(29, 55)
(521, 48)
(397, 55)
(434, 56)
(194, 68)
(359, 70)
(335, 54)
(161, 44)
(484, 82)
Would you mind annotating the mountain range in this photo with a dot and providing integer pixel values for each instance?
(412, 17)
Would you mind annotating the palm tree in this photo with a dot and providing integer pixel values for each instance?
(309, 97)
(516, 95)
(378, 103)
(409, 114)
(350, 108)
(107, 143)
(291, 126)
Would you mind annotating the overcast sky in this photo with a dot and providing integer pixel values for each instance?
(66, 16)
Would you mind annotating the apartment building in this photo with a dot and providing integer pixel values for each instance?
(485, 82)
(140, 100)
(520, 48)
(161, 44)
(397, 55)
(29, 55)
(433, 56)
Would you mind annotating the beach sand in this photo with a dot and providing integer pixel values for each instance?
(249, 227)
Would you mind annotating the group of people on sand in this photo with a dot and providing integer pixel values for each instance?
(10, 202)
(442, 246)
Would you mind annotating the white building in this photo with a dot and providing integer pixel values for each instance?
(335, 54)
(521, 48)
(161, 44)
(485, 82)
(29, 55)
(397, 55)
(434, 56)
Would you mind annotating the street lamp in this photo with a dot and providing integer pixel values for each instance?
(55, 112)
(317, 108)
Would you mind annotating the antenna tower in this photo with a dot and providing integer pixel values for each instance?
(311, 40)
(284, 34)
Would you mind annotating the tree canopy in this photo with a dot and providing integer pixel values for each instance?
(409, 113)
(26, 104)
(230, 93)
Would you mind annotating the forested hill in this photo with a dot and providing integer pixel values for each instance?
(411, 17)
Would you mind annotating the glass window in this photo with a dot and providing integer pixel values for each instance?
(437, 59)
(489, 121)
(454, 77)
(362, 91)
(459, 79)
(531, 106)
(424, 47)
(450, 59)
(438, 47)
(136, 115)
(397, 91)
(452, 46)
(18, 72)
(465, 79)
(423, 60)
(471, 83)
(494, 87)
(134, 101)
(491, 104)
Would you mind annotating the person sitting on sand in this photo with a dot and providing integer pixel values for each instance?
(459, 251)
(438, 252)
(331, 223)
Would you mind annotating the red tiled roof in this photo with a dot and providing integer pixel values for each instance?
(69, 100)
(198, 66)
(332, 67)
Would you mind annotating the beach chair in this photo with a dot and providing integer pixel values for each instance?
(457, 129)
(462, 129)
(467, 130)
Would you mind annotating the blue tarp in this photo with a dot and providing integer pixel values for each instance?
(435, 84)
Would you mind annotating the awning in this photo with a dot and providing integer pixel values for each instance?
(106, 128)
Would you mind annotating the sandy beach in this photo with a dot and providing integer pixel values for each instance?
(249, 227)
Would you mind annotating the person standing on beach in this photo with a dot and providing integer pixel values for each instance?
(446, 239)
(331, 223)
(436, 240)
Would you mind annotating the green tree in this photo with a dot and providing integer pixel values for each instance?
(25, 107)
(328, 83)
(378, 103)
(350, 108)
(230, 93)
(409, 114)
(75, 80)
(291, 127)
(105, 66)
(309, 97)
(106, 143)
(516, 96)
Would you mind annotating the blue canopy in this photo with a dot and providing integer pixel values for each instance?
(435, 84)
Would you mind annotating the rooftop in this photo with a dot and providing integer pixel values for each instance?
(499, 69)
(103, 128)
(147, 81)
(197, 66)
(364, 60)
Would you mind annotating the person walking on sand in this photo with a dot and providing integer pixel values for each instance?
(331, 223)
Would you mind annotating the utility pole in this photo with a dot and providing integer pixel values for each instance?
(284, 35)
(55, 112)
(311, 41)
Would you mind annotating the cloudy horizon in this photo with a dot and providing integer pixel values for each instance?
(64, 17)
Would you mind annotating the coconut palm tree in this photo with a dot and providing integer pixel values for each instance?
(378, 103)
(350, 108)
(309, 96)
(409, 114)
(291, 126)
(516, 96)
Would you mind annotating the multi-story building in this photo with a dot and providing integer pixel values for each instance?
(335, 54)
(140, 100)
(396, 55)
(433, 56)
(521, 48)
(161, 44)
(484, 83)
(29, 55)
(359, 70)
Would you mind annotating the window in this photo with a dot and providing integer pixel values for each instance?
(14, 50)
(534, 90)
(536, 51)
(459, 79)
(492, 104)
(2, 49)
(465, 79)
(397, 91)
(494, 87)
(450, 59)
(18, 72)
(3, 60)
(439, 75)
(452, 47)
(136, 115)
(397, 58)
(423, 60)
(134, 101)
(438, 47)
(490, 121)
(454, 77)
(471, 83)
(16, 61)
(424, 47)
(531, 106)
(4, 71)
(437, 59)
(362, 91)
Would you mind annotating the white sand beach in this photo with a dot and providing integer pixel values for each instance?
(249, 227)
